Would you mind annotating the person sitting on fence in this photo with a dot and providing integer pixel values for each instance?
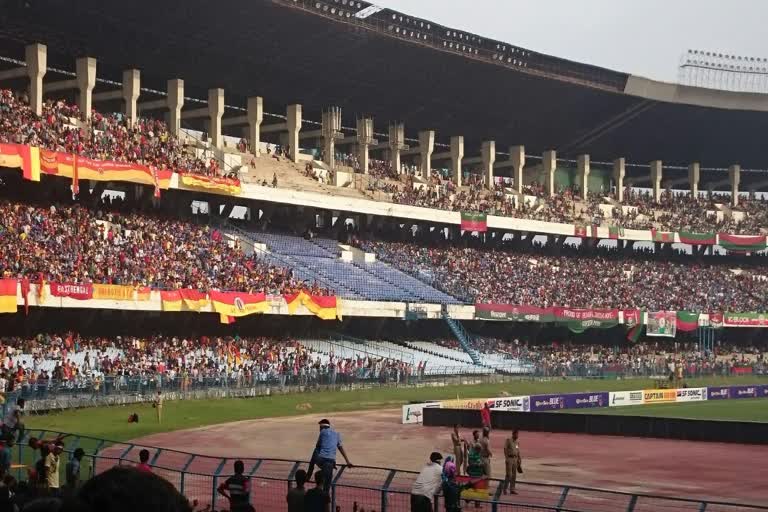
(295, 497)
(324, 455)
(237, 489)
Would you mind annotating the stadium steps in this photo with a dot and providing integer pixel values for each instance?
(463, 336)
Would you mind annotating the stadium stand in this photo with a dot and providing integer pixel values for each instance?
(148, 141)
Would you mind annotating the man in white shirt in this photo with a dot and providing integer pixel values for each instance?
(12, 422)
(427, 485)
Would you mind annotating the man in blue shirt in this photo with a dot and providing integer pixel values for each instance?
(324, 455)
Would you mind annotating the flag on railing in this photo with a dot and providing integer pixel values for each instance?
(194, 300)
(238, 304)
(635, 332)
(687, 237)
(75, 176)
(741, 243)
(687, 321)
(325, 307)
(662, 323)
(662, 236)
(471, 221)
(8, 296)
(30, 156)
(171, 300)
(143, 293)
(226, 185)
(615, 232)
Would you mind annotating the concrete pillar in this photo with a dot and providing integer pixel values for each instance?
(175, 103)
(619, 172)
(656, 177)
(86, 81)
(488, 154)
(548, 165)
(457, 155)
(36, 56)
(330, 128)
(364, 140)
(734, 176)
(517, 156)
(294, 127)
(396, 143)
(255, 116)
(215, 113)
(582, 164)
(131, 92)
(694, 172)
(426, 147)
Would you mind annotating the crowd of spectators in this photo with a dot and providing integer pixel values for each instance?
(605, 279)
(33, 366)
(658, 357)
(74, 244)
(149, 142)
(104, 137)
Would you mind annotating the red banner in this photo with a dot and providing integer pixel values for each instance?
(741, 370)
(72, 291)
(65, 164)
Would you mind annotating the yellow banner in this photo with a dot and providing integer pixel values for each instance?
(469, 403)
(657, 396)
(112, 292)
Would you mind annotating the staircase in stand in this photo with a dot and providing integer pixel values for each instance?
(465, 340)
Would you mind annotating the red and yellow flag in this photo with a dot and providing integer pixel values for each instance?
(8, 296)
(27, 158)
(325, 307)
(194, 300)
(225, 185)
(171, 300)
(143, 293)
(238, 304)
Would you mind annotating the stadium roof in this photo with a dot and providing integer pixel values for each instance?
(379, 62)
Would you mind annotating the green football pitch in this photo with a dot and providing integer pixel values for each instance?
(112, 422)
(754, 409)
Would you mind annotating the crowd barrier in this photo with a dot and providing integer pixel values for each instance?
(359, 488)
(413, 413)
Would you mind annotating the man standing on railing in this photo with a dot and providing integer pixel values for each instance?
(324, 456)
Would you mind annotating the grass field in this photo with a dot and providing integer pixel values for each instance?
(111, 422)
(755, 409)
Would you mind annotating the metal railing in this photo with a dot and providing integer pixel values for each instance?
(50, 395)
(370, 488)
(47, 395)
